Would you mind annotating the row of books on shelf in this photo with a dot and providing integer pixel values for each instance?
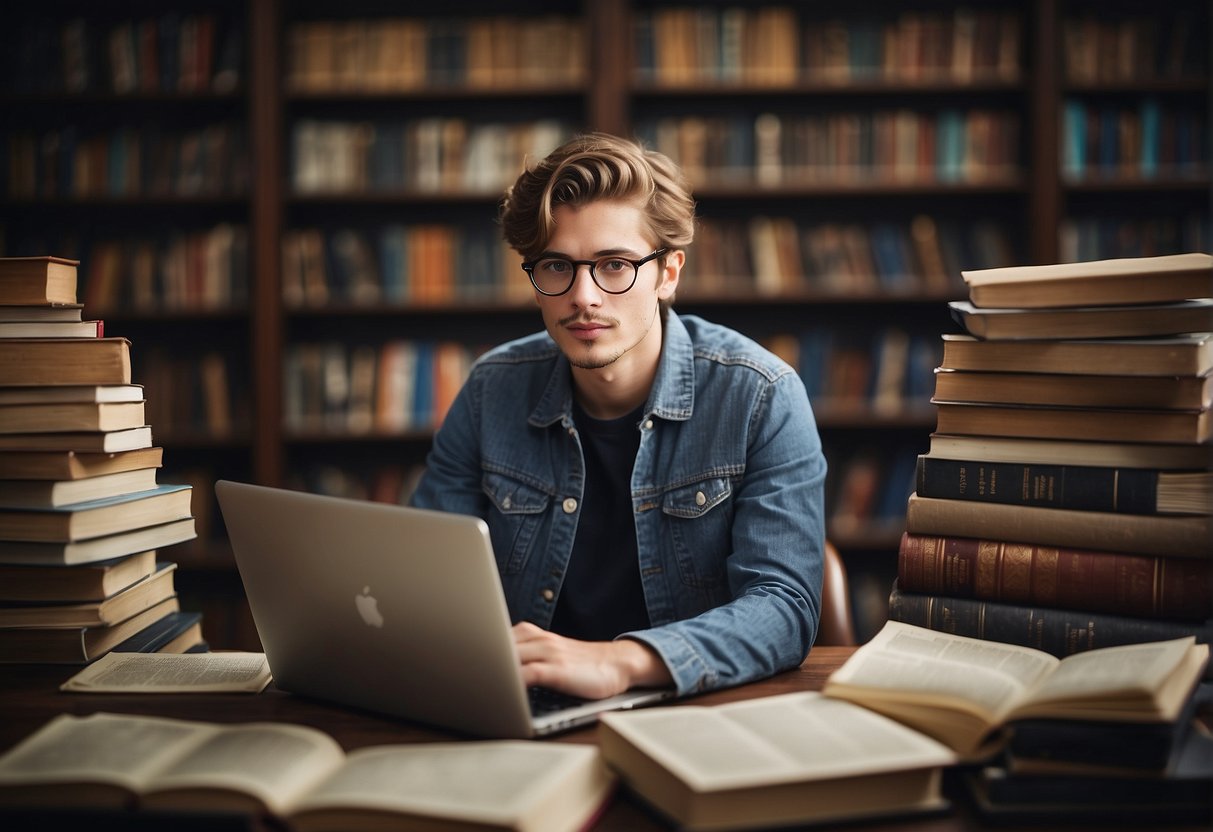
(1110, 48)
(400, 386)
(197, 394)
(776, 46)
(392, 483)
(400, 264)
(883, 369)
(1149, 140)
(426, 155)
(1066, 502)
(1106, 237)
(770, 256)
(410, 53)
(172, 52)
(143, 161)
(82, 520)
(866, 489)
(206, 269)
(885, 146)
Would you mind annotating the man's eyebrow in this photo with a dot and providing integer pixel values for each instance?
(606, 252)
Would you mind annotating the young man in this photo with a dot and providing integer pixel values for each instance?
(653, 483)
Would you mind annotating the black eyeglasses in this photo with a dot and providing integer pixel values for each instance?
(614, 274)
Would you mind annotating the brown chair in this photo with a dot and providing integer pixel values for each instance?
(836, 628)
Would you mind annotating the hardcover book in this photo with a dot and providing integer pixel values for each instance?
(1052, 576)
(1169, 457)
(96, 549)
(1087, 423)
(74, 465)
(1084, 488)
(1180, 355)
(1179, 535)
(1084, 321)
(1075, 390)
(100, 442)
(37, 280)
(773, 761)
(76, 645)
(57, 361)
(72, 393)
(120, 606)
(1058, 631)
(109, 515)
(1128, 280)
(86, 582)
(65, 417)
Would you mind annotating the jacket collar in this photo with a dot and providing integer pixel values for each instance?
(672, 396)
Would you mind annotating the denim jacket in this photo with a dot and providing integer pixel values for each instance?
(727, 492)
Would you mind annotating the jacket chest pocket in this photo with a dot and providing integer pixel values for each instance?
(699, 517)
(514, 521)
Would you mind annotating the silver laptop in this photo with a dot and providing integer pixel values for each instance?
(392, 609)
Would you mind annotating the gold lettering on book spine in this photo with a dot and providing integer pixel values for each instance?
(989, 557)
(1045, 589)
(1017, 571)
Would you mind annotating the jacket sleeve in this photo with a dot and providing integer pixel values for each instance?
(776, 564)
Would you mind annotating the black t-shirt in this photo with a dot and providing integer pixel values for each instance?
(601, 595)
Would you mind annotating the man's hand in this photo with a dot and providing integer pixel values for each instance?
(589, 669)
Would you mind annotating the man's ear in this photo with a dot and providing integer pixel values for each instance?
(670, 272)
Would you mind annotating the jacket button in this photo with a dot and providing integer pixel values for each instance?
(648, 424)
(548, 595)
(700, 498)
(570, 505)
(506, 503)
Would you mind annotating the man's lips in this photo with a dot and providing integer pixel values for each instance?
(586, 330)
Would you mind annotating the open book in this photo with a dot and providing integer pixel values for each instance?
(963, 690)
(776, 760)
(301, 774)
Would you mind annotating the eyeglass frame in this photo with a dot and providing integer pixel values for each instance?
(529, 267)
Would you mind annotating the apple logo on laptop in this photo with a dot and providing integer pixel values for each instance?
(368, 608)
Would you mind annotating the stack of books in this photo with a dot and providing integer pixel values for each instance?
(82, 516)
(1066, 502)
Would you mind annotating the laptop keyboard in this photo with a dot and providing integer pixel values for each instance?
(545, 701)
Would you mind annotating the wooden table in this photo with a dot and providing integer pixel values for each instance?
(29, 697)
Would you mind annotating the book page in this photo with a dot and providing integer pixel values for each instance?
(776, 739)
(929, 666)
(125, 751)
(1114, 673)
(173, 673)
(490, 782)
(276, 762)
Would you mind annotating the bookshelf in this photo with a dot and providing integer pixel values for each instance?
(848, 159)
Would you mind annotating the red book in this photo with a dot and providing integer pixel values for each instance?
(1052, 576)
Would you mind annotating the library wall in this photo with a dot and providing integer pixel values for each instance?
(289, 208)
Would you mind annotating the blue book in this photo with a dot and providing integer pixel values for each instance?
(423, 386)
(155, 636)
(1073, 140)
(392, 263)
(1151, 119)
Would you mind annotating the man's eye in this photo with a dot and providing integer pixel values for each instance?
(613, 266)
(555, 266)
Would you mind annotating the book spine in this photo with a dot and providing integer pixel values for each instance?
(1179, 535)
(1126, 490)
(1059, 632)
(996, 570)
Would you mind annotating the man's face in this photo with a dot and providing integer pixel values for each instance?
(596, 329)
